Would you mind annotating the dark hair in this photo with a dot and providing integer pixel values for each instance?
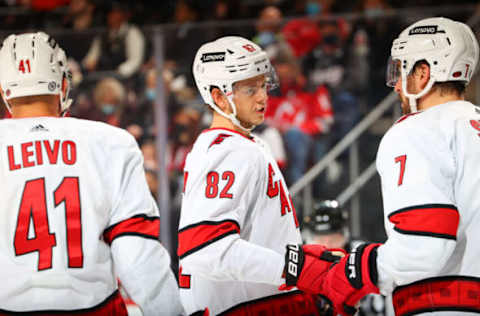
(446, 87)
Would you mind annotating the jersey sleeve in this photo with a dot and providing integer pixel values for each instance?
(140, 261)
(143, 267)
(214, 216)
(416, 167)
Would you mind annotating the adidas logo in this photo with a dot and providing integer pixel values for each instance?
(39, 128)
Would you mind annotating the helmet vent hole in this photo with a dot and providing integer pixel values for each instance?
(435, 62)
(448, 40)
(258, 69)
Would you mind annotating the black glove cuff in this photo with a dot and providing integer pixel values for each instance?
(294, 259)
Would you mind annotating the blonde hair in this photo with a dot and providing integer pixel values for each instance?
(109, 86)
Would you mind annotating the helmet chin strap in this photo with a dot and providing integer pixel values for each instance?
(412, 98)
(233, 116)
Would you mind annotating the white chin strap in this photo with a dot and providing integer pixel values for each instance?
(233, 116)
(412, 98)
(6, 104)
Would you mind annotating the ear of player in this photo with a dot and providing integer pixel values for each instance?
(342, 280)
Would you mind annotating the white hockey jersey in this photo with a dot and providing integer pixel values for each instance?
(75, 206)
(429, 166)
(236, 219)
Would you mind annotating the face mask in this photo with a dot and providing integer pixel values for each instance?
(151, 94)
(313, 8)
(266, 38)
(107, 108)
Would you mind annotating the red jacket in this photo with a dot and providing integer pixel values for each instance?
(311, 112)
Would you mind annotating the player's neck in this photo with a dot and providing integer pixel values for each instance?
(220, 121)
(34, 109)
(436, 98)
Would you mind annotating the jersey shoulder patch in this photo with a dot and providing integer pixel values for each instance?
(404, 117)
(219, 139)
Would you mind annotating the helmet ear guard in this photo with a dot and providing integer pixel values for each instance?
(449, 47)
(34, 64)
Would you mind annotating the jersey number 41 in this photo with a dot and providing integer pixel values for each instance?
(33, 213)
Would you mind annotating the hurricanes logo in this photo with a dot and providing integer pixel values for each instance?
(220, 138)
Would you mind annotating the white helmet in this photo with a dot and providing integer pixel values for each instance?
(33, 64)
(449, 47)
(225, 61)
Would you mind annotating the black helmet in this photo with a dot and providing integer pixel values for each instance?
(327, 217)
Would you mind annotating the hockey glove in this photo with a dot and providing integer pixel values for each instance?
(305, 266)
(345, 282)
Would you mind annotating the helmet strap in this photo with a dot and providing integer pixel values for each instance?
(232, 116)
(6, 104)
(412, 98)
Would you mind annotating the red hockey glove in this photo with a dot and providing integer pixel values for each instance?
(305, 266)
(314, 269)
(347, 281)
(352, 278)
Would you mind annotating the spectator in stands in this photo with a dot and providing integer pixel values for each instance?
(81, 16)
(268, 26)
(381, 31)
(109, 96)
(303, 116)
(283, 41)
(121, 48)
(149, 153)
(342, 71)
(152, 179)
(184, 131)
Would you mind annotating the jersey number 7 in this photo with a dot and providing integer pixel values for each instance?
(402, 160)
(33, 210)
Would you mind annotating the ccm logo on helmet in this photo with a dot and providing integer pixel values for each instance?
(293, 260)
(209, 57)
(427, 29)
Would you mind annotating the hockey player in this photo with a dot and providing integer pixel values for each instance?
(76, 209)
(237, 216)
(428, 164)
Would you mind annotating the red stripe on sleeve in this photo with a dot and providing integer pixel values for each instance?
(141, 225)
(197, 236)
(428, 220)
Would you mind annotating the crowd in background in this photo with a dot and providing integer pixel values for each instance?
(331, 68)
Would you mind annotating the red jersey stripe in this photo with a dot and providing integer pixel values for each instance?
(194, 237)
(450, 293)
(139, 225)
(436, 220)
(112, 305)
